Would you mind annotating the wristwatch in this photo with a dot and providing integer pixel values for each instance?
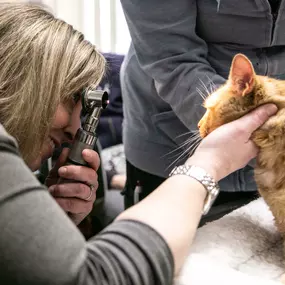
(204, 178)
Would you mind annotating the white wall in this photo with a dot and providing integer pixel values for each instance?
(102, 21)
(68, 10)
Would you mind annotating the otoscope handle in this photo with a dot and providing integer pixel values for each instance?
(83, 140)
(93, 102)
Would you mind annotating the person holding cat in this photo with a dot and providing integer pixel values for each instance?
(181, 49)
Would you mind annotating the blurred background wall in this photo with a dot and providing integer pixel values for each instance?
(101, 21)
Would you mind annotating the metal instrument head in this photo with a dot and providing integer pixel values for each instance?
(92, 98)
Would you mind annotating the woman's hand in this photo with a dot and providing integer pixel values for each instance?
(77, 193)
(229, 147)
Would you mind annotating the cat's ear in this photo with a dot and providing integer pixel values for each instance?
(242, 75)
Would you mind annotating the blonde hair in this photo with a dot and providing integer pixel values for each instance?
(43, 61)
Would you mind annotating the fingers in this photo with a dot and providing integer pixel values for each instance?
(92, 158)
(82, 173)
(74, 190)
(79, 173)
(256, 118)
(60, 161)
(75, 206)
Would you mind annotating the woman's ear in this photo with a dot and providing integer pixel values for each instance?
(242, 75)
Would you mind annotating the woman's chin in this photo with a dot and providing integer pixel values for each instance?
(43, 157)
(35, 165)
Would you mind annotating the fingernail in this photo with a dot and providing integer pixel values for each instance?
(62, 170)
(86, 152)
(51, 188)
(271, 109)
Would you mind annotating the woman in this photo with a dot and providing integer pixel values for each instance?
(45, 63)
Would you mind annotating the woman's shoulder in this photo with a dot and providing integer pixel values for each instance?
(5, 138)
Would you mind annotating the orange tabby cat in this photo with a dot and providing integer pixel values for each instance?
(243, 92)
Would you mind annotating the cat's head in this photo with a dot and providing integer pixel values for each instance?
(243, 91)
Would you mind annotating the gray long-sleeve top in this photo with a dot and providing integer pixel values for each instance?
(183, 47)
(40, 245)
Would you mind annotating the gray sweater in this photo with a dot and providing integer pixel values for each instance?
(40, 245)
(179, 47)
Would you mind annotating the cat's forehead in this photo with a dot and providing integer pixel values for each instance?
(213, 99)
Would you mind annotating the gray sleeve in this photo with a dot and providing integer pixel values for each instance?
(40, 245)
(168, 49)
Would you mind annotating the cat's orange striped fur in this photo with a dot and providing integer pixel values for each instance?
(243, 92)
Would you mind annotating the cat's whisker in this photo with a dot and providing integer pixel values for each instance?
(205, 87)
(188, 141)
(212, 84)
(177, 149)
(194, 135)
(193, 147)
(211, 88)
(187, 133)
(202, 95)
(194, 143)
(191, 140)
(193, 150)
(173, 151)
(189, 151)
(177, 159)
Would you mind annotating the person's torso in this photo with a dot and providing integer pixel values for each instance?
(251, 27)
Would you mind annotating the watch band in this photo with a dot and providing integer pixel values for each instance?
(204, 178)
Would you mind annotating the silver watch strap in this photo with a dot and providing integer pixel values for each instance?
(204, 178)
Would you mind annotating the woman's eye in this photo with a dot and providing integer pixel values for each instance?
(76, 97)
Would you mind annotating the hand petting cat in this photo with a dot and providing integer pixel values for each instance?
(229, 147)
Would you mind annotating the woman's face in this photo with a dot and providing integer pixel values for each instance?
(64, 126)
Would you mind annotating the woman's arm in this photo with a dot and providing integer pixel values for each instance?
(40, 245)
(175, 208)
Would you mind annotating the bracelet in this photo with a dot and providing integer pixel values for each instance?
(204, 178)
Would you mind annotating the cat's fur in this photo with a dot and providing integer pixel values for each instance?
(243, 92)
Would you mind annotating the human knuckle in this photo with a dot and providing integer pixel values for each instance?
(63, 204)
(90, 175)
(93, 198)
(89, 207)
(81, 188)
(94, 176)
(70, 204)
(260, 117)
(58, 189)
(72, 169)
